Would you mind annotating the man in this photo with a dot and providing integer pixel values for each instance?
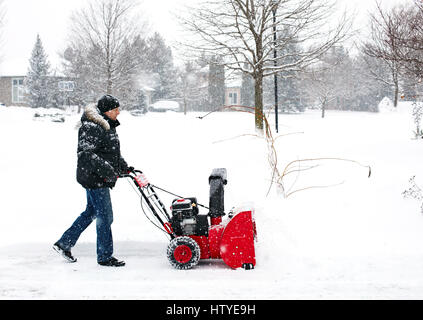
(99, 165)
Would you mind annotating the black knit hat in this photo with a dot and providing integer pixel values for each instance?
(107, 103)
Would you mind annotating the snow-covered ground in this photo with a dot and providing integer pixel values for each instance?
(358, 239)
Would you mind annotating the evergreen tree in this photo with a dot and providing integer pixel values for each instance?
(160, 62)
(190, 87)
(216, 85)
(289, 91)
(342, 78)
(370, 88)
(141, 100)
(38, 82)
(75, 67)
(289, 81)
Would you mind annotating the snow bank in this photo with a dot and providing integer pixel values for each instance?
(166, 105)
(349, 237)
(386, 105)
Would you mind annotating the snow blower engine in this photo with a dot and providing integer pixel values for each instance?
(195, 236)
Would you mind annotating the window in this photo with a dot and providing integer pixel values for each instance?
(18, 91)
(233, 98)
(66, 85)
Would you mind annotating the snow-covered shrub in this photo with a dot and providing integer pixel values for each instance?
(386, 105)
(414, 192)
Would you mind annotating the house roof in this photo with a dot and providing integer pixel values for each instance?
(18, 67)
(13, 76)
(147, 88)
(14, 67)
(234, 82)
(204, 69)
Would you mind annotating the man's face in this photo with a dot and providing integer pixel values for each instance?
(113, 114)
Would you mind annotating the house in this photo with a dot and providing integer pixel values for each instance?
(12, 90)
(233, 91)
(148, 93)
(233, 84)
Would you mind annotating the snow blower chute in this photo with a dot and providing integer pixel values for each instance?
(195, 236)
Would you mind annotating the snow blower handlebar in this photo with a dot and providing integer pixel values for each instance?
(216, 206)
(212, 177)
(149, 195)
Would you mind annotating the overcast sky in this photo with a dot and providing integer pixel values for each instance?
(50, 18)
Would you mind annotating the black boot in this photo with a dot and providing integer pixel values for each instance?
(112, 262)
(65, 253)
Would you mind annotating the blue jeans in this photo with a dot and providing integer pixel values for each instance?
(99, 207)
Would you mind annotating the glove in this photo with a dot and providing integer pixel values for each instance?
(126, 170)
(130, 169)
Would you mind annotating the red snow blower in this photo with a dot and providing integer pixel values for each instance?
(195, 236)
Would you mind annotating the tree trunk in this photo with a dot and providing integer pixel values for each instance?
(396, 91)
(258, 101)
(109, 85)
(109, 64)
(324, 108)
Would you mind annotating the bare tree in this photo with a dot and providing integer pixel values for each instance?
(388, 29)
(329, 83)
(241, 32)
(410, 51)
(321, 87)
(108, 35)
(2, 23)
(403, 38)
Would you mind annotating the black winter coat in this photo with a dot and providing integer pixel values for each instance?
(99, 158)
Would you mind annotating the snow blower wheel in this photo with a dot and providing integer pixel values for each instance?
(183, 253)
